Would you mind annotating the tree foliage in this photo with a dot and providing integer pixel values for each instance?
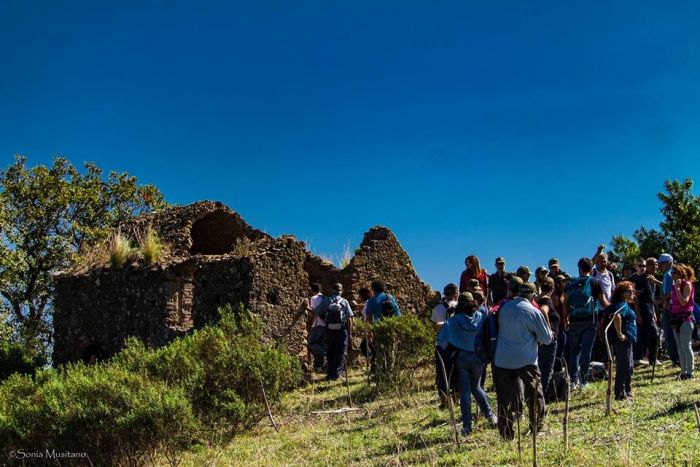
(678, 232)
(47, 215)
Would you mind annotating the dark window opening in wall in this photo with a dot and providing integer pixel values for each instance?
(273, 297)
(215, 234)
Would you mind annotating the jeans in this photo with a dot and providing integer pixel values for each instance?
(316, 343)
(648, 341)
(683, 339)
(582, 336)
(545, 361)
(669, 338)
(509, 402)
(623, 369)
(336, 346)
(563, 344)
(469, 370)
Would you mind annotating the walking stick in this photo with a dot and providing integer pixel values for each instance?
(658, 349)
(534, 428)
(517, 421)
(608, 393)
(450, 404)
(566, 406)
(347, 379)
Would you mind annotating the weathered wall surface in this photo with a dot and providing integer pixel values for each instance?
(217, 259)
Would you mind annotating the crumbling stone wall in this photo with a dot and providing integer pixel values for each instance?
(216, 259)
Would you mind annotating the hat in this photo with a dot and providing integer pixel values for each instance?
(541, 269)
(500, 259)
(337, 287)
(465, 297)
(524, 270)
(553, 261)
(478, 289)
(515, 283)
(665, 258)
(473, 282)
(527, 288)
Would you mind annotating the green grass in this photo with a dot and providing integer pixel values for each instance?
(656, 427)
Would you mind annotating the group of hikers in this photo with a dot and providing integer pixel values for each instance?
(540, 336)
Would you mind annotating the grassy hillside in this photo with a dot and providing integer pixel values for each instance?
(656, 427)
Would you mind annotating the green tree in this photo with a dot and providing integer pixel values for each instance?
(47, 215)
(678, 233)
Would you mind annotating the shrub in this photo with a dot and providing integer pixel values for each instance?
(103, 410)
(120, 250)
(402, 345)
(221, 369)
(14, 358)
(204, 386)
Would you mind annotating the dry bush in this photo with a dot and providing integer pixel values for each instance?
(120, 250)
(151, 247)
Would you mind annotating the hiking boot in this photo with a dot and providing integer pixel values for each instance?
(644, 362)
(465, 432)
(659, 363)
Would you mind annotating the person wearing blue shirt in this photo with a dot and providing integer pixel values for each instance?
(521, 328)
(665, 263)
(461, 330)
(624, 336)
(375, 305)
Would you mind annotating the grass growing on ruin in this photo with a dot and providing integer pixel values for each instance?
(151, 247)
(656, 427)
(119, 250)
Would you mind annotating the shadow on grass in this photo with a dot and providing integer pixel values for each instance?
(678, 408)
(573, 405)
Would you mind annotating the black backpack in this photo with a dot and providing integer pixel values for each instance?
(559, 386)
(388, 307)
(335, 318)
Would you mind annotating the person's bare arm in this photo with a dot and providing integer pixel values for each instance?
(617, 322)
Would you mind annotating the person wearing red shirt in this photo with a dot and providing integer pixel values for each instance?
(474, 271)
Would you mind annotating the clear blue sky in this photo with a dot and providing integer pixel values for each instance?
(522, 129)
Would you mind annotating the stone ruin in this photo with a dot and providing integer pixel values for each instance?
(215, 259)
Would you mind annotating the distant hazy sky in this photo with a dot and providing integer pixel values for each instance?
(522, 129)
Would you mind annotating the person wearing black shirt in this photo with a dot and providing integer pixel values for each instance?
(498, 281)
(546, 353)
(645, 285)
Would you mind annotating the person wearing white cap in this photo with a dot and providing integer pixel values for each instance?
(665, 262)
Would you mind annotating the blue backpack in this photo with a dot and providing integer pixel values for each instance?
(582, 304)
(696, 313)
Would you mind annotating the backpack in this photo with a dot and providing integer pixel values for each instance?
(388, 306)
(335, 318)
(485, 341)
(581, 300)
(558, 388)
(449, 309)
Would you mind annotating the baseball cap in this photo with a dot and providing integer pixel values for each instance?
(523, 270)
(541, 269)
(500, 259)
(553, 261)
(465, 297)
(665, 258)
(561, 277)
(473, 283)
(338, 287)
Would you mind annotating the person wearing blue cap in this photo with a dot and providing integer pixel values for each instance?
(665, 263)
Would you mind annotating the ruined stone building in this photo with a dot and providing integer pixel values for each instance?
(215, 258)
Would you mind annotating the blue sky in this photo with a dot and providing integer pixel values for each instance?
(522, 129)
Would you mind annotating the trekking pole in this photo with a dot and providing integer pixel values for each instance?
(450, 404)
(566, 406)
(608, 393)
(697, 414)
(517, 421)
(534, 428)
(267, 404)
(658, 349)
(347, 379)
